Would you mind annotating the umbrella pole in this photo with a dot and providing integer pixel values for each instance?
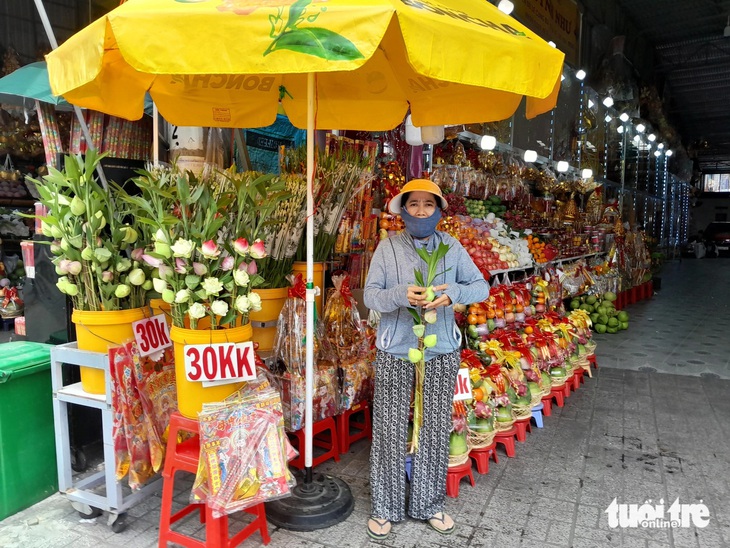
(317, 501)
(82, 122)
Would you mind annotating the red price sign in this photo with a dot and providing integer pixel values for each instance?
(462, 391)
(152, 335)
(220, 362)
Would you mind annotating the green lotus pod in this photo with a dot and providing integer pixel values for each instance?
(87, 253)
(415, 355)
(419, 330)
(168, 295)
(136, 277)
(72, 289)
(147, 285)
(430, 316)
(76, 241)
(430, 295)
(102, 254)
(429, 341)
(161, 248)
(130, 234)
(122, 291)
(78, 207)
(46, 229)
(56, 232)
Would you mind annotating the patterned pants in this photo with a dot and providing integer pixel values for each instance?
(391, 407)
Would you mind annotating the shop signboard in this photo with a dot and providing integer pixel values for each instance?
(556, 20)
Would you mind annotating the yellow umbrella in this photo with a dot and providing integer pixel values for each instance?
(223, 62)
(351, 64)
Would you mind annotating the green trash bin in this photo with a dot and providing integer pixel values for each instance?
(28, 470)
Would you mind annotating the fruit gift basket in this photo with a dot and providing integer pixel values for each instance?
(345, 335)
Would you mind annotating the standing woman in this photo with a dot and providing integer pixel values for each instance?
(390, 289)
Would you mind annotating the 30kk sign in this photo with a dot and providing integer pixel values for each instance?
(151, 334)
(220, 362)
(462, 391)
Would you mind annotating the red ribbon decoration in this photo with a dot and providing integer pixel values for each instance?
(344, 288)
(298, 288)
(11, 295)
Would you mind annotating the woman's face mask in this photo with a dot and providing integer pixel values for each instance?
(421, 227)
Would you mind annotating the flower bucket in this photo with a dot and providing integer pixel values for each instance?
(97, 331)
(158, 307)
(192, 395)
(264, 321)
(300, 267)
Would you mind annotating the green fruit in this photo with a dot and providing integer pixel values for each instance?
(609, 296)
(504, 414)
(457, 444)
(574, 304)
(609, 305)
(612, 322)
(591, 299)
(600, 328)
(533, 387)
(545, 377)
(612, 330)
(588, 308)
(603, 319)
(623, 325)
(472, 332)
(623, 316)
(484, 425)
(594, 317)
(557, 372)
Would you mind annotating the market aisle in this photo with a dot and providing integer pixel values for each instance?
(629, 435)
(683, 329)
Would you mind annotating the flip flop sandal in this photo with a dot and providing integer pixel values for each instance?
(379, 529)
(437, 522)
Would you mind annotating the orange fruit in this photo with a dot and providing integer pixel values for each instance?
(471, 319)
(481, 319)
(528, 329)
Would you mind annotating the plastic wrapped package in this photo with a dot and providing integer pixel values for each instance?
(344, 335)
(243, 451)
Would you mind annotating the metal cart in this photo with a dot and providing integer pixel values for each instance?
(99, 491)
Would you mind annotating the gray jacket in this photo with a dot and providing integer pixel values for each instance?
(386, 287)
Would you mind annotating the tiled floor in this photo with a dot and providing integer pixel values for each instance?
(631, 433)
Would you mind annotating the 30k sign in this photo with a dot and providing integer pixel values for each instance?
(220, 362)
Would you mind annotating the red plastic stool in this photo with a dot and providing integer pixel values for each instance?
(523, 426)
(324, 433)
(349, 419)
(547, 405)
(184, 457)
(507, 439)
(456, 473)
(558, 393)
(578, 378)
(592, 360)
(481, 456)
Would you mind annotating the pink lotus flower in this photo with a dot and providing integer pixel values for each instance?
(107, 276)
(138, 254)
(200, 269)
(152, 261)
(210, 250)
(164, 271)
(252, 268)
(241, 246)
(227, 263)
(258, 250)
(181, 266)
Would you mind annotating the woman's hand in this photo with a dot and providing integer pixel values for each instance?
(416, 295)
(441, 300)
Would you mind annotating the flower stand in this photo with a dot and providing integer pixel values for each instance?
(481, 457)
(455, 475)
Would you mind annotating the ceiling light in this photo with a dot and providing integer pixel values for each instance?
(620, 129)
(660, 146)
(487, 142)
(640, 128)
(563, 166)
(657, 153)
(587, 173)
(530, 156)
(668, 153)
(552, 44)
(505, 6)
(581, 74)
(562, 77)
(651, 137)
(624, 117)
(608, 102)
(608, 118)
(637, 138)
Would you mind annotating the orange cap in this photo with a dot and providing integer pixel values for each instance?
(417, 185)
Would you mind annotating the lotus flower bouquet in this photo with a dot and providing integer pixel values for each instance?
(421, 318)
(205, 241)
(96, 245)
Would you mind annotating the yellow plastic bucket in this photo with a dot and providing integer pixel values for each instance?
(192, 395)
(97, 331)
(264, 321)
(300, 267)
(159, 306)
